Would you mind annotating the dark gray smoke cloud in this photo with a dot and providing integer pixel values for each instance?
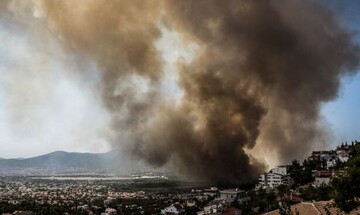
(262, 71)
(283, 56)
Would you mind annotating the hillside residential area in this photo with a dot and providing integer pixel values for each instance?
(327, 182)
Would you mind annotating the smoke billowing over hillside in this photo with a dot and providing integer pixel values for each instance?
(260, 74)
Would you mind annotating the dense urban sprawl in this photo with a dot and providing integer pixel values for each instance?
(327, 182)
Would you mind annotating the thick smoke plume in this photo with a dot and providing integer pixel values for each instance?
(262, 71)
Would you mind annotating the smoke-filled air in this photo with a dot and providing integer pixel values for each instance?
(251, 91)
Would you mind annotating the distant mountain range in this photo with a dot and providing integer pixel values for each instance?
(70, 162)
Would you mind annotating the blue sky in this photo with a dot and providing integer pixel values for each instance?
(343, 114)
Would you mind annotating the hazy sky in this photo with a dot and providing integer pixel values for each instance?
(45, 106)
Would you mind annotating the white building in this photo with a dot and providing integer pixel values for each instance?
(109, 211)
(327, 158)
(190, 203)
(231, 195)
(330, 163)
(281, 170)
(343, 152)
(270, 180)
(217, 206)
(173, 209)
(321, 181)
(276, 176)
(343, 158)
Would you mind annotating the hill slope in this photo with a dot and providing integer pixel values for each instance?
(61, 161)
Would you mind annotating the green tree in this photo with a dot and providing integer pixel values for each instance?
(347, 186)
(301, 174)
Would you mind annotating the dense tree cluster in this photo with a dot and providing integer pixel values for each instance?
(344, 188)
(346, 185)
(301, 173)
